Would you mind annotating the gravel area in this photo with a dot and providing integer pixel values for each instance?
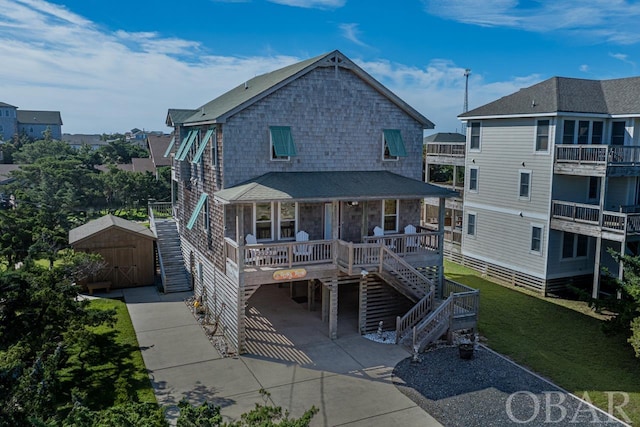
(489, 390)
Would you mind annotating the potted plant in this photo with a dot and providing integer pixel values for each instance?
(467, 345)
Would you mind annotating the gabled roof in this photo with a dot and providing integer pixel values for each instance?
(244, 95)
(5, 105)
(444, 137)
(143, 164)
(103, 223)
(329, 186)
(158, 144)
(567, 95)
(176, 116)
(29, 117)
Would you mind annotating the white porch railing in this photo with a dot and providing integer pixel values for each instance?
(453, 150)
(611, 155)
(628, 223)
(288, 254)
(403, 244)
(415, 315)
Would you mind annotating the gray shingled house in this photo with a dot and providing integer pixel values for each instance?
(310, 177)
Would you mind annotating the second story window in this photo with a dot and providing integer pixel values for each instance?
(392, 145)
(525, 185)
(281, 142)
(474, 136)
(542, 135)
(618, 132)
(473, 179)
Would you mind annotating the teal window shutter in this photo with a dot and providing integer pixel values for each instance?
(171, 144)
(203, 145)
(183, 143)
(394, 142)
(196, 211)
(186, 147)
(282, 141)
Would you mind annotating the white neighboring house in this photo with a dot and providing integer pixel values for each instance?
(556, 183)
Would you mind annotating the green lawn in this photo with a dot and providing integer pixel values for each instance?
(112, 371)
(559, 340)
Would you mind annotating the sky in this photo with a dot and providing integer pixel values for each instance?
(110, 66)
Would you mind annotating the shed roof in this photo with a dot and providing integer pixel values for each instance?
(32, 117)
(244, 95)
(103, 223)
(329, 186)
(568, 95)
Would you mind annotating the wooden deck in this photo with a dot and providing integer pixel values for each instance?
(590, 220)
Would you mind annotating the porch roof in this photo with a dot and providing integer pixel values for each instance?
(329, 186)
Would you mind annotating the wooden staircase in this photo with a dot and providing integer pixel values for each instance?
(173, 272)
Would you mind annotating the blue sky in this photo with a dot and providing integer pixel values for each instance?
(109, 66)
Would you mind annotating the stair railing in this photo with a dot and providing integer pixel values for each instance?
(412, 279)
(152, 226)
(442, 314)
(415, 315)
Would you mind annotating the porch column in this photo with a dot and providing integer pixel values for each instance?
(325, 303)
(596, 269)
(335, 231)
(240, 236)
(333, 310)
(441, 210)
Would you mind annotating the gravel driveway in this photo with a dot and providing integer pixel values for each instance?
(489, 390)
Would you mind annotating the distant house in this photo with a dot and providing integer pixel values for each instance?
(5, 173)
(77, 140)
(34, 123)
(126, 246)
(8, 122)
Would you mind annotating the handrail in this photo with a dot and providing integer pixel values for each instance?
(453, 149)
(152, 226)
(417, 282)
(611, 155)
(416, 314)
(434, 319)
(164, 209)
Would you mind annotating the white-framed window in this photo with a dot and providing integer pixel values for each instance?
(618, 132)
(474, 136)
(263, 221)
(390, 209)
(536, 239)
(574, 245)
(524, 184)
(473, 179)
(471, 223)
(542, 135)
(582, 132)
(287, 220)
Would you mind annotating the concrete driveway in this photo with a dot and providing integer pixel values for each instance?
(290, 356)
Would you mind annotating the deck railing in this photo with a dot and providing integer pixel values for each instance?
(416, 314)
(288, 254)
(415, 282)
(231, 250)
(453, 150)
(403, 244)
(434, 323)
(451, 287)
(628, 223)
(612, 155)
(358, 256)
(160, 209)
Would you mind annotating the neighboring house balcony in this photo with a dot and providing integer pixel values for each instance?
(452, 202)
(590, 220)
(446, 153)
(597, 160)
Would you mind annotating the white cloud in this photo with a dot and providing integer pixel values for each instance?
(584, 68)
(585, 18)
(114, 81)
(351, 32)
(312, 4)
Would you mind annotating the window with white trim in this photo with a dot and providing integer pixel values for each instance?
(536, 239)
(524, 186)
(471, 224)
(474, 136)
(473, 179)
(574, 245)
(288, 220)
(582, 132)
(542, 135)
(390, 209)
(263, 221)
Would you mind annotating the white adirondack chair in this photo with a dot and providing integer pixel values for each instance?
(302, 250)
(252, 254)
(379, 232)
(412, 242)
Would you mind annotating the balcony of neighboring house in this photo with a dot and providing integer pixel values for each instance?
(589, 219)
(445, 153)
(597, 160)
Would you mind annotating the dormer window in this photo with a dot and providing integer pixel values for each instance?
(281, 141)
(392, 145)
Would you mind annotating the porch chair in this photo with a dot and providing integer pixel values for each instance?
(252, 254)
(302, 250)
(379, 232)
(411, 242)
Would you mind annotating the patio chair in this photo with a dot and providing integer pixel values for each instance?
(252, 254)
(411, 242)
(379, 232)
(302, 250)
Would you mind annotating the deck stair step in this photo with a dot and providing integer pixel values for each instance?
(175, 277)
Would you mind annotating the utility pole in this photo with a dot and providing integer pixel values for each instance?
(465, 108)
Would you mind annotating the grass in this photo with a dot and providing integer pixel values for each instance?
(560, 340)
(112, 370)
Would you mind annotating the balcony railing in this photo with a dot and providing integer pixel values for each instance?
(610, 155)
(621, 222)
(452, 150)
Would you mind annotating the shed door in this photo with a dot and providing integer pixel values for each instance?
(126, 270)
